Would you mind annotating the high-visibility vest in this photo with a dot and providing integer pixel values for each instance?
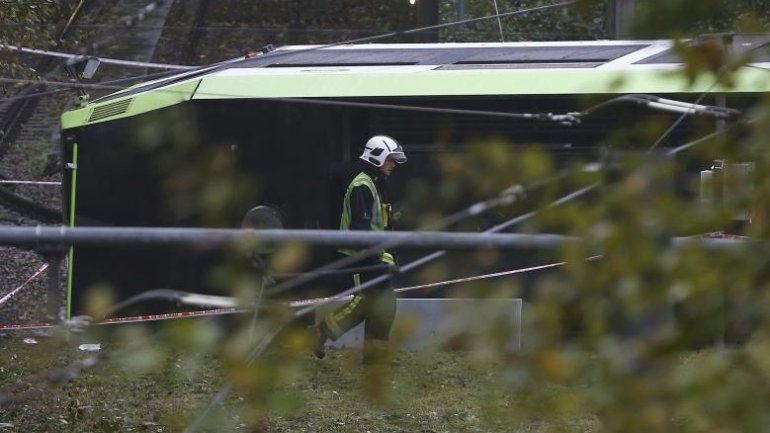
(377, 221)
(379, 212)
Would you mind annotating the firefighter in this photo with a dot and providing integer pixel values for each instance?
(365, 208)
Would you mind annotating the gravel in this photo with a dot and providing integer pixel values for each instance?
(23, 299)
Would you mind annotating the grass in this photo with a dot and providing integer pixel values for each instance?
(426, 392)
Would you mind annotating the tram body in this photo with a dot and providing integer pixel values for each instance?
(273, 122)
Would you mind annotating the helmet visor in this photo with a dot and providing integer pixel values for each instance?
(398, 155)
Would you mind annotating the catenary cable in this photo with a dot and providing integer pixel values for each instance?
(302, 312)
(565, 119)
(275, 54)
(268, 338)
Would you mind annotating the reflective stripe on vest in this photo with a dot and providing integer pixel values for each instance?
(378, 219)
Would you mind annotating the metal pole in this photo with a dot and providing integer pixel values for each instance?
(35, 237)
(54, 304)
(47, 236)
(620, 18)
(427, 15)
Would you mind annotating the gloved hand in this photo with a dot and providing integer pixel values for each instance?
(395, 279)
(387, 258)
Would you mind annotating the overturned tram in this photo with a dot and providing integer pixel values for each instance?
(283, 128)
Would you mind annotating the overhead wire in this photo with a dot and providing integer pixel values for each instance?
(484, 276)
(690, 144)
(279, 53)
(270, 29)
(29, 93)
(128, 21)
(107, 85)
(567, 119)
(105, 60)
(506, 197)
(564, 119)
(718, 76)
(424, 29)
(224, 392)
(435, 255)
(304, 311)
(529, 35)
(499, 21)
(345, 42)
(220, 396)
(75, 369)
(679, 120)
(267, 339)
(665, 104)
(465, 21)
(466, 111)
(497, 228)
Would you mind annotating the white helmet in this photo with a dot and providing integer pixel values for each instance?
(379, 148)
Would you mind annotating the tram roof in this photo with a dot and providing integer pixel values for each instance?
(441, 69)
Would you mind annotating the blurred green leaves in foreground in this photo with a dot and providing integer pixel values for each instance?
(633, 333)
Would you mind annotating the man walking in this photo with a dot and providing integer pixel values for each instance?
(365, 208)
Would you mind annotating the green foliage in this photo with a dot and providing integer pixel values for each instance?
(585, 20)
(31, 24)
(687, 18)
(27, 22)
(232, 28)
(430, 391)
(628, 335)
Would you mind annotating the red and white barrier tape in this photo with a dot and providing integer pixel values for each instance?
(5, 298)
(298, 303)
(26, 326)
(29, 182)
(137, 319)
(167, 316)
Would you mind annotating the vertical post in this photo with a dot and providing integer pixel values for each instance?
(54, 304)
(721, 101)
(427, 15)
(68, 200)
(620, 18)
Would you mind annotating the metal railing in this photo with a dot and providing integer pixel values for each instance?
(52, 241)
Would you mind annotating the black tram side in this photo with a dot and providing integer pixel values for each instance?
(128, 154)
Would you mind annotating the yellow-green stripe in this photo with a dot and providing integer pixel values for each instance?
(73, 191)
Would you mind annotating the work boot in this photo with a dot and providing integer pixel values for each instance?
(318, 338)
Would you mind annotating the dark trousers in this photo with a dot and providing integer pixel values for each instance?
(375, 306)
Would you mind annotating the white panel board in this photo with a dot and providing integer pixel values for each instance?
(436, 322)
